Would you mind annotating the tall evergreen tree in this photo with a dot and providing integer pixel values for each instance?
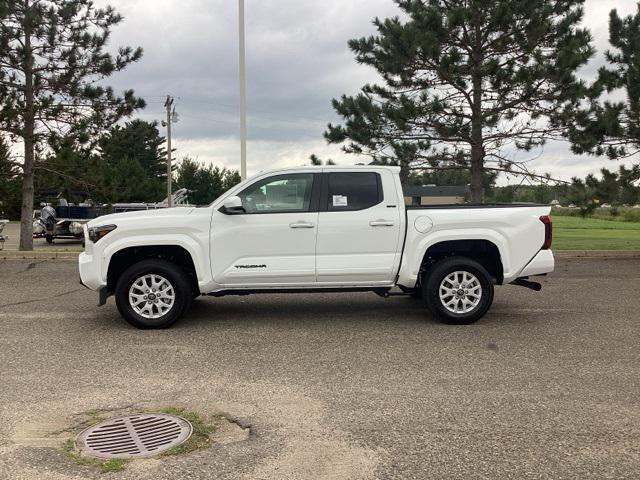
(205, 182)
(67, 169)
(52, 54)
(133, 163)
(9, 183)
(629, 180)
(610, 127)
(230, 178)
(465, 82)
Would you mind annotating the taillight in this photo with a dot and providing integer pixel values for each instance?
(548, 232)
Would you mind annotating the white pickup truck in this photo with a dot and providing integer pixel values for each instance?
(315, 229)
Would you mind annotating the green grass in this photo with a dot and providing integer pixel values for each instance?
(200, 436)
(93, 417)
(113, 465)
(105, 466)
(617, 214)
(576, 233)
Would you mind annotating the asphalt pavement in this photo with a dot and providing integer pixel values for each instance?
(339, 386)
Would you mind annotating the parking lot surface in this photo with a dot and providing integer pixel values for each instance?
(340, 386)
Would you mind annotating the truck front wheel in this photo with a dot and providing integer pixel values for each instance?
(153, 294)
(458, 290)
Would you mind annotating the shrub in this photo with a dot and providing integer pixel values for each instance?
(587, 210)
(631, 215)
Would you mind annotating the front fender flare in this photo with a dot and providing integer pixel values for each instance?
(193, 248)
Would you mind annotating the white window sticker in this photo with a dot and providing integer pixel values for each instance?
(340, 201)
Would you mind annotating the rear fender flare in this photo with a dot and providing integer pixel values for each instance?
(444, 236)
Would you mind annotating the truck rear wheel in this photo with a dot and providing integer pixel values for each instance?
(458, 290)
(153, 294)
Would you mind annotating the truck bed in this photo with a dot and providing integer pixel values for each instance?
(516, 230)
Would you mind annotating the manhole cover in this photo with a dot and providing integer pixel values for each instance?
(135, 435)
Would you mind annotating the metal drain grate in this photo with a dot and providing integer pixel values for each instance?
(135, 435)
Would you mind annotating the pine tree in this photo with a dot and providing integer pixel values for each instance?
(69, 170)
(205, 182)
(133, 150)
(52, 57)
(465, 83)
(9, 177)
(317, 161)
(607, 127)
(230, 178)
(629, 179)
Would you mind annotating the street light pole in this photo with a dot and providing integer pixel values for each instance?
(243, 92)
(168, 103)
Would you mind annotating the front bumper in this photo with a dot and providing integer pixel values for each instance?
(90, 272)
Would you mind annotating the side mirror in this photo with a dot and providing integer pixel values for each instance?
(232, 206)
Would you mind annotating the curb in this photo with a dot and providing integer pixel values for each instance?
(596, 253)
(19, 255)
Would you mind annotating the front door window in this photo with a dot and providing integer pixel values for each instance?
(279, 194)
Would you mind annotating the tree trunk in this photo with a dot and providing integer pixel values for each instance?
(477, 141)
(405, 170)
(26, 213)
(477, 164)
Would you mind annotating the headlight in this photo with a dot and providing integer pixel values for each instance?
(96, 233)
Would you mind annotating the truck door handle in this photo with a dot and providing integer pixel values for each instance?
(301, 225)
(381, 223)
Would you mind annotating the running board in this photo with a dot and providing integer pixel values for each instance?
(382, 291)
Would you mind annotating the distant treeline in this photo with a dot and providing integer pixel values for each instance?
(610, 187)
(127, 164)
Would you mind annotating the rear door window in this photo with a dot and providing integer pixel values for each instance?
(349, 191)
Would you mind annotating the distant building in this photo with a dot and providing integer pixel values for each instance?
(419, 195)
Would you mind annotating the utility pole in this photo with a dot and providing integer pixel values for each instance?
(243, 92)
(172, 117)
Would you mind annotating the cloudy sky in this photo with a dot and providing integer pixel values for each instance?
(297, 61)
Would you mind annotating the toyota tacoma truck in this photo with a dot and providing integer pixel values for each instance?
(315, 229)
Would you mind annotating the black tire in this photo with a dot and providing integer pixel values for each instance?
(49, 239)
(173, 274)
(435, 277)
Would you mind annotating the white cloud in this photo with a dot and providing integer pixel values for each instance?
(297, 61)
(262, 154)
